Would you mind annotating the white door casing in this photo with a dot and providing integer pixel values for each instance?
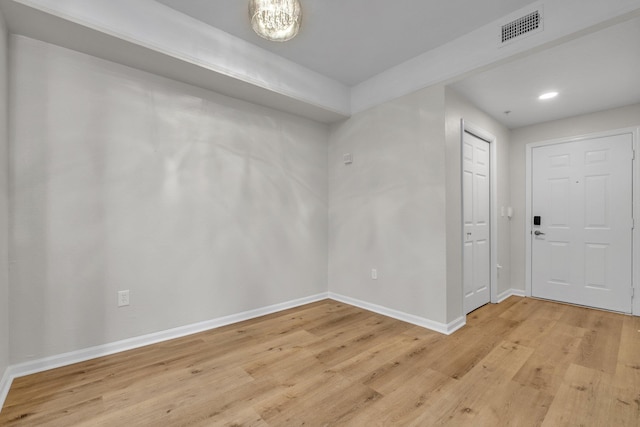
(581, 252)
(476, 222)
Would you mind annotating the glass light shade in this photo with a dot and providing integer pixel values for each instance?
(275, 20)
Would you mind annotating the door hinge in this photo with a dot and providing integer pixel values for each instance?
(633, 154)
(633, 292)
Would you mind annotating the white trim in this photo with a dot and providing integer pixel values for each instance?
(65, 359)
(635, 133)
(510, 293)
(527, 220)
(82, 355)
(635, 308)
(493, 200)
(5, 385)
(442, 328)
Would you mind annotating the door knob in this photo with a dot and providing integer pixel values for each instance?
(538, 233)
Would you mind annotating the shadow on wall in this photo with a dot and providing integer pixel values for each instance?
(200, 205)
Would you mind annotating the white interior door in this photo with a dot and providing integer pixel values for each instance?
(476, 219)
(582, 198)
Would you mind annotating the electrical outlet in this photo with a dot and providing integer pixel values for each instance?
(123, 298)
(374, 274)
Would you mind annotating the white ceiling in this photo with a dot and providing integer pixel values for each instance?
(353, 40)
(595, 72)
(355, 54)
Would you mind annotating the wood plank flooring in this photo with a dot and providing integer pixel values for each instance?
(523, 362)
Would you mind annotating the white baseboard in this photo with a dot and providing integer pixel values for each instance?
(442, 328)
(5, 385)
(65, 359)
(510, 292)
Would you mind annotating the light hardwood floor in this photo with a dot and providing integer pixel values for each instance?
(523, 362)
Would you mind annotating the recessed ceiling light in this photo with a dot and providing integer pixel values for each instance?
(548, 95)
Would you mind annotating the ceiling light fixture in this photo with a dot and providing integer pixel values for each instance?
(275, 20)
(548, 95)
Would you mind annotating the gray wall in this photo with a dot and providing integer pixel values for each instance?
(397, 208)
(205, 206)
(4, 202)
(387, 209)
(201, 205)
(458, 107)
(590, 123)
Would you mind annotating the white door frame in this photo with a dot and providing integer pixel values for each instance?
(635, 273)
(469, 127)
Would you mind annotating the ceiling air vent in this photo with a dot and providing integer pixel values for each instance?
(524, 25)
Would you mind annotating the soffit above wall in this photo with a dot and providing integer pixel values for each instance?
(151, 37)
(148, 35)
(352, 41)
(596, 72)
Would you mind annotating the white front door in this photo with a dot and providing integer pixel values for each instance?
(582, 222)
(476, 219)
